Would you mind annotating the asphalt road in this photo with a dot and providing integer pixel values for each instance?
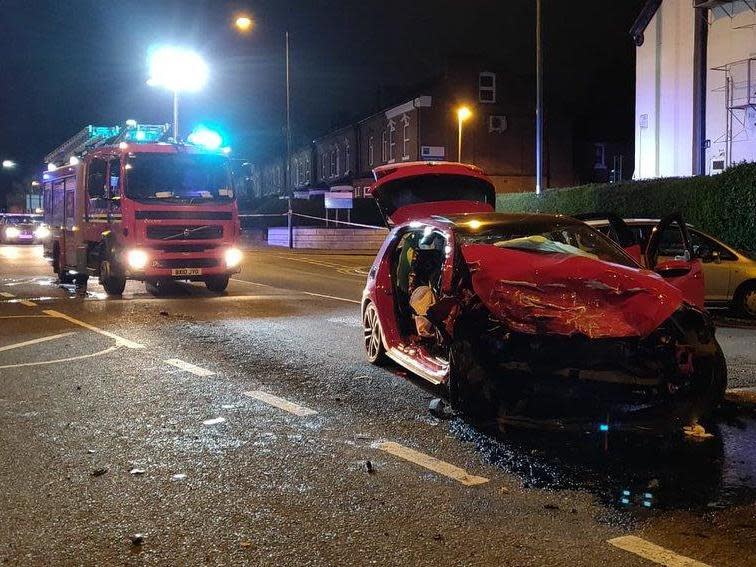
(247, 428)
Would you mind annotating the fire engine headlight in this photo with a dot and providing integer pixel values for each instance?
(233, 257)
(42, 232)
(12, 232)
(137, 259)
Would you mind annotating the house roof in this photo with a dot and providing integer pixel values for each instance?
(641, 22)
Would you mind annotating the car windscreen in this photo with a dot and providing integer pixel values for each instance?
(179, 178)
(545, 237)
(18, 220)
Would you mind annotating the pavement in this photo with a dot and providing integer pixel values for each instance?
(247, 428)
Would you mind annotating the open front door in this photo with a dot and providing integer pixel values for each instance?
(669, 253)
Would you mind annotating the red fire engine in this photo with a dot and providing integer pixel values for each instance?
(130, 203)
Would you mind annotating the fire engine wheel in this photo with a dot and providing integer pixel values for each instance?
(217, 284)
(112, 283)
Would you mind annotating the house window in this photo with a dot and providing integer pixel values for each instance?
(392, 141)
(338, 162)
(371, 151)
(332, 170)
(384, 146)
(487, 87)
(347, 156)
(322, 166)
(405, 137)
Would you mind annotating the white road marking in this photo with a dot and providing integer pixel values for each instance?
(214, 421)
(196, 370)
(120, 340)
(653, 552)
(35, 341)
(24, 317)
(27, 303)
(71, 359)
(280, 403)
(296, 291)
(6, 294)
(430, 463)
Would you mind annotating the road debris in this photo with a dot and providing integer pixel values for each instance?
(99, 472)
(137, 539)
(214, 421)
(369, 467)
(178, 476)
(696, 432)
(137, 471)
(440, 409)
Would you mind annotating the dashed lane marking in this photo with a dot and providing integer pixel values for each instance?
(6, 294)
(60, 360)
(280, 403)
(196, 370)
(24, 317)
(119, 340)
(430, 463)
(653, 552)
(35, 341)
(27, 303)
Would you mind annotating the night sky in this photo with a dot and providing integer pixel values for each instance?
(64, 65)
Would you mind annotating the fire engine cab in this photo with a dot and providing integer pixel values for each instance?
(127, 202)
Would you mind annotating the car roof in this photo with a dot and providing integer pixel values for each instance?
(500, 219)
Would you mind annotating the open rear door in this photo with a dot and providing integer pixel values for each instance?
(416, 190)
(669, 252)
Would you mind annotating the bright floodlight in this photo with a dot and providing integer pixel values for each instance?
(463, 113)
(178, 70)
(8, 164)
(243, 23)
(206, 138)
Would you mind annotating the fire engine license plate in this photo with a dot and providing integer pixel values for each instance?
(187, 272)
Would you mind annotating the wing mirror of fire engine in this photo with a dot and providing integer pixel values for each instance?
(673, 268)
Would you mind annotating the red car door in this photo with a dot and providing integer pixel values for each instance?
(617, 231)
(669, 253)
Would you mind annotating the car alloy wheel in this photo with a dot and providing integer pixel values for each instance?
(373, 336)
(748, 301)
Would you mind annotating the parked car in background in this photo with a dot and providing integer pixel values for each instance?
(729, 273)
(530, 318)
(22, 229)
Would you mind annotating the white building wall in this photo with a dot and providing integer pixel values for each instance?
(664, 93)
(732, 38)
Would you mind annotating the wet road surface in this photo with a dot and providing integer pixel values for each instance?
(247, 428)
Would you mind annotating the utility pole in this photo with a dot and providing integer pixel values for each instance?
(288, 146)
(539, 101)
(175, 116)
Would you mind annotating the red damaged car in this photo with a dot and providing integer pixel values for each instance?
(533, 319)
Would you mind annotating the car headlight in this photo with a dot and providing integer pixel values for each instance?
(12, 232)
(137, 259)
(42, 232)
(233, 257)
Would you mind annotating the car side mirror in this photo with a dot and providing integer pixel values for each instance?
(716, 256)
(673, 268)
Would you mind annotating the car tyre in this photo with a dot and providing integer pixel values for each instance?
(217, 284)
(745, 301)
(469, 386)
(113, 283)
(373, 334)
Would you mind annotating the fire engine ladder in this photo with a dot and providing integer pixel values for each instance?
(89, 138)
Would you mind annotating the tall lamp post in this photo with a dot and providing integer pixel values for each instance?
(178, 70)
(463, 113)
(244, 25)
(539, 101)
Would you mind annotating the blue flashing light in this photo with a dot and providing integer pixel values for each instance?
(46, 176)
(625, 500)
(141, 135)
(648, 496)
(206, 138)
(625, 493)
(647, 504)
(604, 427)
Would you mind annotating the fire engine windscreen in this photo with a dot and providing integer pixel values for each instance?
(546, 237)
(178, 178)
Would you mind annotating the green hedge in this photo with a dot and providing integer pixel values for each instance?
(723, 205)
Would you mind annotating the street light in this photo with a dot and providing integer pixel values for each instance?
(178, 70)
(244, 23)
(463, 113)
(8, 164)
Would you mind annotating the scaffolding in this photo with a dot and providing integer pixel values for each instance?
(739, 91)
